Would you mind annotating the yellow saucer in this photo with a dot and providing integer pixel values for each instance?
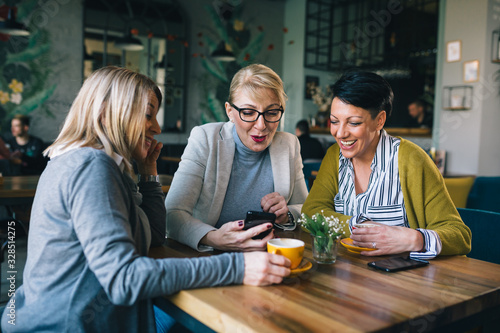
(347, 243)
(304, 266)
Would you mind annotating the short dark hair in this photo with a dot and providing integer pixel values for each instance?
(25, 120)
(419, 102)
(365, 90)
(303, 126)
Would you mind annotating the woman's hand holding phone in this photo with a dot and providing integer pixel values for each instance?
(231, 237)
(255, 218)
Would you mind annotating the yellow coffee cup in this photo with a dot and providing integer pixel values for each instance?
(291, 248)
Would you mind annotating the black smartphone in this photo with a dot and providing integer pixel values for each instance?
(255, 218)
(397, 264)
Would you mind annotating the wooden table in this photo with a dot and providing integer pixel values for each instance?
(451, 294)
(18, 190)
(165, 181)
(21, 189)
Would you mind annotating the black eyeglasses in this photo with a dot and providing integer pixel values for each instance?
(251, 115)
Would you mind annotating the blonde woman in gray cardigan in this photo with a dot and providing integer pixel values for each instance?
(230, 168)
(92, 225)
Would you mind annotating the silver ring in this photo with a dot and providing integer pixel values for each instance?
(374, 245)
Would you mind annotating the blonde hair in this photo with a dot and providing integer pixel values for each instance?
(252, 79)
(108, 113)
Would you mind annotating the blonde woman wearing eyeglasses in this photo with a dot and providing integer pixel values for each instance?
(229, 168)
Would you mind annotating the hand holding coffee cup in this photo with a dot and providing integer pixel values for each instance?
(367, 224)
(291, 248)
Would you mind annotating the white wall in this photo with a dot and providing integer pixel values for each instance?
(293, 63)
(488, 91)
(470, 137)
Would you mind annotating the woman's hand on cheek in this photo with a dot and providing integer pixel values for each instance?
(275, 203)
(148, 165)
(154, 151)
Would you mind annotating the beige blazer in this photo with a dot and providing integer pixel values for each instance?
(195, 198)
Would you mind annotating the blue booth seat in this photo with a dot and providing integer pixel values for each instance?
(485, 194)
(485, 228)
(310, 165)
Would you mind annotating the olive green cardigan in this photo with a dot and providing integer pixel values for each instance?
(427, 202)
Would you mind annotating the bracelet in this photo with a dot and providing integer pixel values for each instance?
(148, 178)
(291, 225)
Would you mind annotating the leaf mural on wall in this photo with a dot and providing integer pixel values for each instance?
(250, 51)
(28, 55)
(215, 69)
(218, 23)
(216, 106)
(24, 69)
(34, 102)
(228, 27)
(211, 44)
(213, 107)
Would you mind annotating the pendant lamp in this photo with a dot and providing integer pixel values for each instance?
(129, 43)
(222, 54)
(11, 27)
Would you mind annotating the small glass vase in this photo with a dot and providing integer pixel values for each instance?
(324, 249)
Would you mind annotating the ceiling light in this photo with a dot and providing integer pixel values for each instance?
(11, 27)
(222, 54)
(129, 43)
(161, 64)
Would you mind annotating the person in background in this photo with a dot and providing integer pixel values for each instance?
(229, 168)
(368, 175)
(92, 225)
(26, 150)
(419, 115)
(310, 148)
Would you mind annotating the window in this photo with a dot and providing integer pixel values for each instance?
(161, 29)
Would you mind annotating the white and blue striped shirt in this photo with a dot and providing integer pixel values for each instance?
(383, 201)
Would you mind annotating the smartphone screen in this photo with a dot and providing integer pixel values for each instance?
(255, 218)
(397, 264)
